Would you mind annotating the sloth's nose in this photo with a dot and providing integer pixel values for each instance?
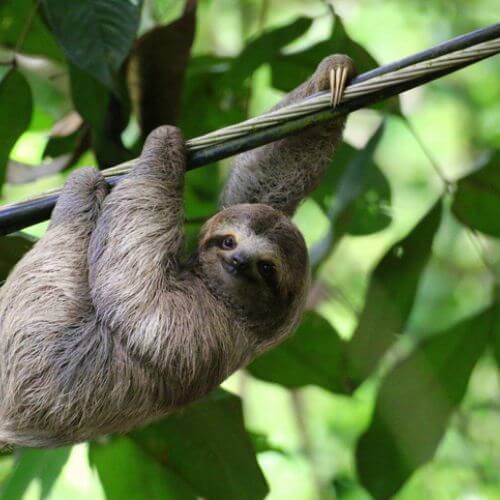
(240, 260)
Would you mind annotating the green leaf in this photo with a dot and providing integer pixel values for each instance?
(12, 249)
(127, 471)
(15, 94)
(495, 338)
(263, 48)
(312, 356)
(44, 465)
(96, 35)
(391, 294)
(477, 200)
(208, 447)
(261, 444)
(218, 103)
(415, 402)
(37, 40)
(160, 79)
(290, 70)
(354, 194)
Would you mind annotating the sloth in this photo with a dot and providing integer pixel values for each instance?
(105, 326)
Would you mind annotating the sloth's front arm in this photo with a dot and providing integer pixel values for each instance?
(283, 173)
(135, 247)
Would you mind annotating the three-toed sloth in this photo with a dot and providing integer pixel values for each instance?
(104, 326)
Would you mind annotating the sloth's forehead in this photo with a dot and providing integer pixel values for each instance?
(244, 232)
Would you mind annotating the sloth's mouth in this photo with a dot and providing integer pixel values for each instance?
(232, 270)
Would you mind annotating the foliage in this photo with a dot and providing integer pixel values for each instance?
(403, 309)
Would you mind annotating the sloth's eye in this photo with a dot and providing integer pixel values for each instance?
(266, 269)
(228, 243)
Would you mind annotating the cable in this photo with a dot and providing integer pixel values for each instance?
(366, 89)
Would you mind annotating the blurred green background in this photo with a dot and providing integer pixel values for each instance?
(306, 436)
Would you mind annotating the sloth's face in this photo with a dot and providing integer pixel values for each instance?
(256, 256)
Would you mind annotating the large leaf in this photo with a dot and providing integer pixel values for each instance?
(96, 35)
(266, 46)
(477, 199)
(415, 402)
(157, 67)
(127, 471)
(290, 70)
(207, 446)
(391, 293)
(15, 95)
(312, 356)
(37, 40)
(354, 194)
(31, 464)
(12, 249)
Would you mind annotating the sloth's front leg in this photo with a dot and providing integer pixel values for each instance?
(283, 173)
(135, 247)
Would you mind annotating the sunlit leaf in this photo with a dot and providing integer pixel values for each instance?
(391, 294)
(477, 199)
(15, 95)
(261, 444)
(312, 356)
(96, 35)
(415, 402)
(127, 471)
(31, 464)
(208, 447)
(495, 338)
(158, 78)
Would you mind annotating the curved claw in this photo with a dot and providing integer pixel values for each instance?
(338, 80)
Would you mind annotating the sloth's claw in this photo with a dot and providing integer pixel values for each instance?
(338, 81)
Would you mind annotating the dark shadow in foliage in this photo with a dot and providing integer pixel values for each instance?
(207, 446)
(391, 294)
(37, 40)
(415, 402)
(45, 465)
(15, 94)
(12, 249)
(312, 356)
(157, 67)
(105, 113)
(477, 200)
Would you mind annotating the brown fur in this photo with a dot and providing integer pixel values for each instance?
(103, 325)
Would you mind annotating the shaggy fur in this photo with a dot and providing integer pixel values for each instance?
(104, 327)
